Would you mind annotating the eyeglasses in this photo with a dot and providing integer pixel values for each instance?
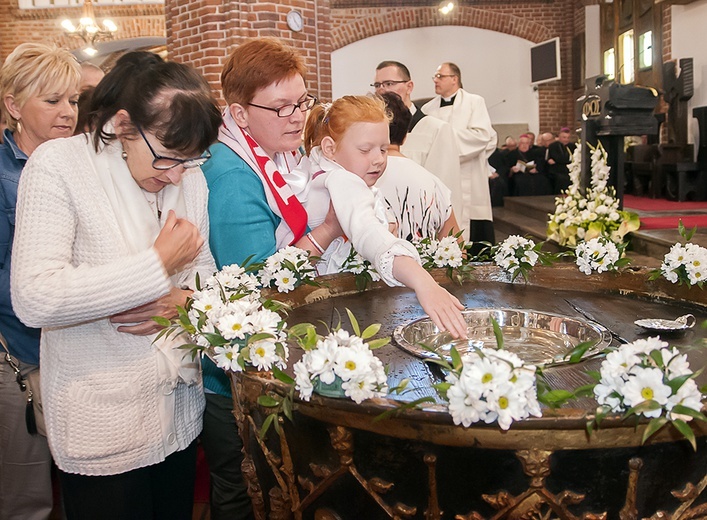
(288, 110)
(440, 76)
(167, 163)
(388, 84)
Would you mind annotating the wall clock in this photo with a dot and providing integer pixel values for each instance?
(294, 21)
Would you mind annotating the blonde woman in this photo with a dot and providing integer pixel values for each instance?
(39, 86)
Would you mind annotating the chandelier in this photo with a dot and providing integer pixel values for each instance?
(88, 30)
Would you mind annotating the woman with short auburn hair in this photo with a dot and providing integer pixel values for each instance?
(253, 212)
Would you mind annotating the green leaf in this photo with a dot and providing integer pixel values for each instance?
(287, 407)
(268, 401)
(686, 431)
(498, 333)
(370, 331)
(555, 398)
(378, 343)
(266, 425)
(577, 353)
(282, 376)
(677, 382)
(594, 374)
(653, 426)
(456, 358)
(164, 322)
(400, 388)
(657, 357)
(645, 406)
(585, 390)
(404, 406)
(684, 410)
(354, 323)
(259, 337)
(215, 340)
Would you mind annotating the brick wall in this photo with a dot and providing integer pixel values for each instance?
(42, 25)
(534, 21)
(204, 32)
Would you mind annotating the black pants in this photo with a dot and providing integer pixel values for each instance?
(481, 231)
(222, 447)
(164, 491)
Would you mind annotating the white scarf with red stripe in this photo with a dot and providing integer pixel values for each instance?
(279, 194)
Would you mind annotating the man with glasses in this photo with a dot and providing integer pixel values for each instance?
(476, 139)
(430, 142)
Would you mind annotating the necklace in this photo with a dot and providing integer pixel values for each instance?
(155, 202)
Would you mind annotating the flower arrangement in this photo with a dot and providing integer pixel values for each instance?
(648, 378)
(586, 214)
(227, 316)
(489, 385)
(286, 270)
(340, 360)
(684, 264)
(518, 255)
(600, 254)
(363, 270)
(445, 253)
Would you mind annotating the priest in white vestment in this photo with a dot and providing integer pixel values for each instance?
(476, 140)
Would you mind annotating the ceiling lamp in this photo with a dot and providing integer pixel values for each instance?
(88, 30)
(447, 6)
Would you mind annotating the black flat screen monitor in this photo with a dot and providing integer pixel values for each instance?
(545, 61)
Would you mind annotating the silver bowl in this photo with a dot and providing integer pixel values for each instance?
(540, 338)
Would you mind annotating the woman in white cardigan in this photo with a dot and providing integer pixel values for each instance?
(110, 229)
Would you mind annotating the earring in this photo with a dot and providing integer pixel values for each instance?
(124, 155)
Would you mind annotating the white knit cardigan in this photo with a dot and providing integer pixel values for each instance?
(103, 400)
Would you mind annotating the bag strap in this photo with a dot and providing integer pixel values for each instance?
(14, 365)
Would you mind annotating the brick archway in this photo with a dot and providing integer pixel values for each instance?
(348, 29)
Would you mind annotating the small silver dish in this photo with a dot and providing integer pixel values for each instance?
(540, 338)
(683, 322)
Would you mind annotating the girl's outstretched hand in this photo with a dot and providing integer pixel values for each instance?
(443, 308)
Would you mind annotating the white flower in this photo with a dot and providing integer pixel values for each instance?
(226, 357)
(226, 312)
(352, 362)
(506, 405)
(465, 404)
(646, 384)
(235, 325)
(685, 264)
(689, 396)
(263, 354)
(303, 383)
(494, 385)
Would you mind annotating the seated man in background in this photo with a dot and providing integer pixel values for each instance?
(526, 174)
(559, 157)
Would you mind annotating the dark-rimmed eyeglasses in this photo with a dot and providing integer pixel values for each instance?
(388, 84)
(288, 110)
(167, 163)
(440, 76)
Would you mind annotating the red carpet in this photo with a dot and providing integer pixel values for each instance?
(671, 212)
(689, 221)
(647, 204)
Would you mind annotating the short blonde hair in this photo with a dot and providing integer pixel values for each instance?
(34, 69)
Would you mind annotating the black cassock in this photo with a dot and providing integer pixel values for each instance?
(525, 183)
